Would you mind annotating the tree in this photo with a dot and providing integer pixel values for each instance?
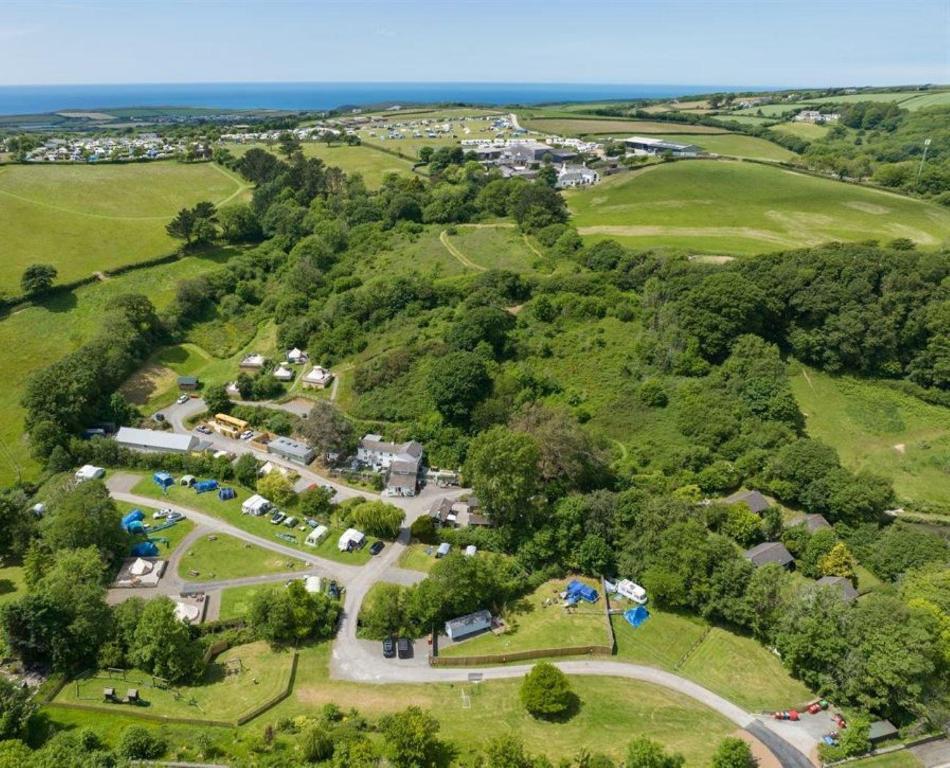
(547, 175)
(277, 488)
(646, 753)
(163, 644)
(288, 144)
(327, 429)
(287, 615)
(17, 521)
(545, 692)
(316, 502)
(456, 382)
(385, 615)
(182, 227)
(316, 745)
(838, 562)
(86, 517)
(535, 206)
(246, 470)
(502, 468)
(377, 519)
(217, 399)
(239, 224)
(37, 278)
(507, 751)
(16, 708)
(139, 743)
(411, 738)
(425, 154)
(733, 752)
(767, 595)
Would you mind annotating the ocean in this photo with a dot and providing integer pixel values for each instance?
(39, 99)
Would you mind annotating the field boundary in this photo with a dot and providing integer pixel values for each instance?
(505, 658)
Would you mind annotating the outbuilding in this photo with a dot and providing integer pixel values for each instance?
(187, 383)
(843, 586)
(155, 441)
(468, 626)
(769, 552)
(292, 450)
(881, 730)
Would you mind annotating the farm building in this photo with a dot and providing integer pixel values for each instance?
(842, 585)
(468, 626)
(253, 362)
(89, 472)
(256, 505)
(187, 383)
(576, 176)
(769, 552)
(154, 441)
(292, 450)
(640, 145)
(532, 152)
(317, 377)
(228, 426)
(752, 499)
(316, 536)
(351, 539)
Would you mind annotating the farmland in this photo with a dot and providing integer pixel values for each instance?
(50, 328)
(60, 214)
(590, 125)
(880, 429)
(734, 144)
(905, 99)
(745, 208)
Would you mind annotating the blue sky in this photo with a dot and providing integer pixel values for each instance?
(767, 42)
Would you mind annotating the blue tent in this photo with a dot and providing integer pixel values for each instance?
(144, 549)
(577, 590)
(163, 479)
(636, 616)
(203, 486)
(135, 516)
(226, 493)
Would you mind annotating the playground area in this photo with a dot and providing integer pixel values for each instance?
(236, 682)
(539, 620)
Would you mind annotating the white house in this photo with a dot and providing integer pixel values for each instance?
(89, 472)
(317, 378)
(315, 536)
(256, 505)
(576, 176)
(400, 460)
(351, 539)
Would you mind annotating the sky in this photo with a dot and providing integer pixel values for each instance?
(727, 42)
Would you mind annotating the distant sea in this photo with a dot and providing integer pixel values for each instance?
(39, 99)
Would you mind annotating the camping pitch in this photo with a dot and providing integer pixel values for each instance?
(636, 616)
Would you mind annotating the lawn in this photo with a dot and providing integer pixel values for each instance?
(613, 126)
(46, 331)
(496, 247)
(236, 601)
(12, 581)
(88, 218)
(901, 759)
(724, 206)
(221, 696)
(372, 164)
(736, 145)
(174, 534)
(415, 558)
(230, 511)
(662, 641)
(880, 429)
(533, 625)
(219, 556)
(743, 671)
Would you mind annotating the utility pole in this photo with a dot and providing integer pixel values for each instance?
(921, 166)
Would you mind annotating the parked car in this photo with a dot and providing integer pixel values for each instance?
(203, 429)
(160, 514)
(174, 517)
(376, 548)
(182, 399)
(247, 435)
(311, 523)
(278, 517)
(389, 648)
(404, 648)
(334, 590)
(159, 417)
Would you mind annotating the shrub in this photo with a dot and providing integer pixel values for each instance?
(546, 692)
(423, 529)
(137, 743)
(653, 394)
(316, 745)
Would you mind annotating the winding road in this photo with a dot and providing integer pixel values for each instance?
(361, 661)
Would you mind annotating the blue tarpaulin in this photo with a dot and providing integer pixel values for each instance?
(636, 616)
(135, 516)
(144, 549)
(577, 590)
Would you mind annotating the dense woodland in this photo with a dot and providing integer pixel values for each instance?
(468, 373)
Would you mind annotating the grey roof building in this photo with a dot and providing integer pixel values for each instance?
(769, 552)
(467, 626)
(816, 522)
(880, 730)
(843, 585)
(752, 499)
(155, 441)
(292, 450)
(648, 146)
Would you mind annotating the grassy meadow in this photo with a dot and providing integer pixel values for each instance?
(877, 428)
(236, 601)
(745, 208)
(90, 218)
(219, 556)
(582, 126)
(736, 145)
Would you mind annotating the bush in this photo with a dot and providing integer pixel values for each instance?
(316, 745)
(653, 394)
(423, 529)
(137, 743)
(546, 692)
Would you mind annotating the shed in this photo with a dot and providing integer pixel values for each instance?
(163, 479)
(469, 625)
(769, 552)
(880, 730)
(256, 505)
(752, 499)
(443, 550)
(816, 522)
(317, 535)
(187, 383)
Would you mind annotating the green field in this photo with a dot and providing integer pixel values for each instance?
(902, 759)
(236, 601)
(730, 207)
(84, 219)
(46, 331)
(230, 511)
(743, 671)
(495, 247)
(219, 556)
(807, 131)
(414, 558)
(736, 145)
(221, 696)
(616, 126)
(662, 641)
(372, 164)
(877, 428)
(905, 99)
(533, 625)
(12, 581)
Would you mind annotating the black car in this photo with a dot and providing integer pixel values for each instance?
(404, 648)
(389, 648)
(334, 590)
(376, 548)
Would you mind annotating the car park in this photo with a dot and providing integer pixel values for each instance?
(389, 648)
(376, 548)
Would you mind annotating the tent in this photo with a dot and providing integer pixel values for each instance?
(140, 567)
(145, 549)
(135, 516)
(226, 493)
(203, 486)
(636, 616)
(163, 479)
(577, 590)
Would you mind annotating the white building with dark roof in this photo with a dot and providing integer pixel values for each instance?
(643, 145)
(400, 461)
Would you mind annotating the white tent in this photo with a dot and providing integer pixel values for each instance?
(140, 567)
(315, 536)
(470, 550)
(351, 539)
(256, 505)
(313, 584)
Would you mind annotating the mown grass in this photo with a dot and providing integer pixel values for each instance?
(880, 429)
(39, 334)
(610, 126)
(175, 534)
(735, 145)
(747, 208)
(219, 556)
(807, 131)
(88, 218)
(905, 99)
(533, 625)
(661, 641)
(902, 759)
(236, 601)
(416, 558)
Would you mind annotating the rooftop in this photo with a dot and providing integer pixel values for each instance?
(153, 438)
(752, 499)
(292, 447)
(848, 592)
(768, 552)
